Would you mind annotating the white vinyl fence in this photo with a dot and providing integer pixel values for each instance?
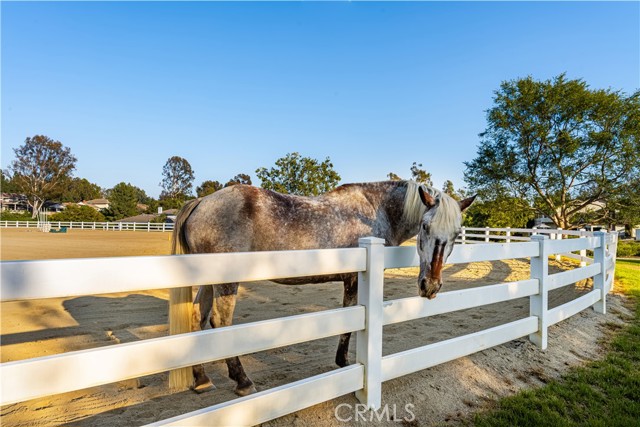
(43, 376)
(77, 225)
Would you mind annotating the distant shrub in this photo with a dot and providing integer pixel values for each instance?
(15, 216)
(78, 213)
(628, 248)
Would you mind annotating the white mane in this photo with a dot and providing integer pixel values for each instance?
(446, 215)
(413, 208)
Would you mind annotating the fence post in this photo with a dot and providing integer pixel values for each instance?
(539, 304)
(599, 280)
(369, 341)
(464, 235)
(486, 233)
(559, 237)
(583, 252)
(613, 249)
(508, 240)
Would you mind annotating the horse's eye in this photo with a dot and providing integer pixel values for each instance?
(425, 227)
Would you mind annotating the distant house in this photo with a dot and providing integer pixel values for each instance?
(139, 218)
(171, 214)
(544, 222)
(97, 204)
(13, 202)
(52, 207)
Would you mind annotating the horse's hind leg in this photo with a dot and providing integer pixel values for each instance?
(223, 305)
(349, 298)
(202, 307)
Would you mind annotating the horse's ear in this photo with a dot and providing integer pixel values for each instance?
(427, 199)
(464, 204)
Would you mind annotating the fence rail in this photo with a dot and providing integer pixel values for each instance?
(37, 377)
(106, 226)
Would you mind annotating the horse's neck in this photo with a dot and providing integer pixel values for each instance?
(387, 200)
(392, 201)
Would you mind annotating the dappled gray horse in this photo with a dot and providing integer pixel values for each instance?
(243, 218)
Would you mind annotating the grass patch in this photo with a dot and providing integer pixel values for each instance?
(602, 393)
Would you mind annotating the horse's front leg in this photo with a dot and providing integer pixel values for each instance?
(224, 303)
(350, 297)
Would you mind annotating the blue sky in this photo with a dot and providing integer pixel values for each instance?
(234, 86)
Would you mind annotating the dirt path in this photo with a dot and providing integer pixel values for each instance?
(439, 395)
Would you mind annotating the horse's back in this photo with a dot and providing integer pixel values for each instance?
(219, 223)
(244, 218)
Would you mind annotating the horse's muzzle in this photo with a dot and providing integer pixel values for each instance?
(429, 290)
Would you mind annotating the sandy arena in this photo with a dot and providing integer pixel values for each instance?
(443, 395)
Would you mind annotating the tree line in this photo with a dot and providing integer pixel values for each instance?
(553, 148)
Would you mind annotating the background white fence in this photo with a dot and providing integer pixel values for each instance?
(32, 378)
(468, 234)
(112, 226)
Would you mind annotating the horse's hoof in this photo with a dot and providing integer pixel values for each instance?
(342, 362)
(246, 390)
(204, 387)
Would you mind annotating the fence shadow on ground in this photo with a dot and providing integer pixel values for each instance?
(100, 317)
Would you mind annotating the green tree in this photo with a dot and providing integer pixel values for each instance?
(78, 213)
(141, 196)
(152, 206)
(177, 179)
(418, 174)
(6, 183)
(208, 187)
(40, 167)
(299, 175)
(123, 201)
(170, 203)
(503, 211)
(558, 146)
(79, 189)
(448, 188)
(241, 178)
(624, 207)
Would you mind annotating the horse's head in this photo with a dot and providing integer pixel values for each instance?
(441, 224)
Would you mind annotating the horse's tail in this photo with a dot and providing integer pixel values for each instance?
(180, 299)
(178, 239)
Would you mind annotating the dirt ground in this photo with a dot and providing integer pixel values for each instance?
(442, 395)
(31, 243)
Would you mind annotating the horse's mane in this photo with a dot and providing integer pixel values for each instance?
(447, 213)
(413, 208)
